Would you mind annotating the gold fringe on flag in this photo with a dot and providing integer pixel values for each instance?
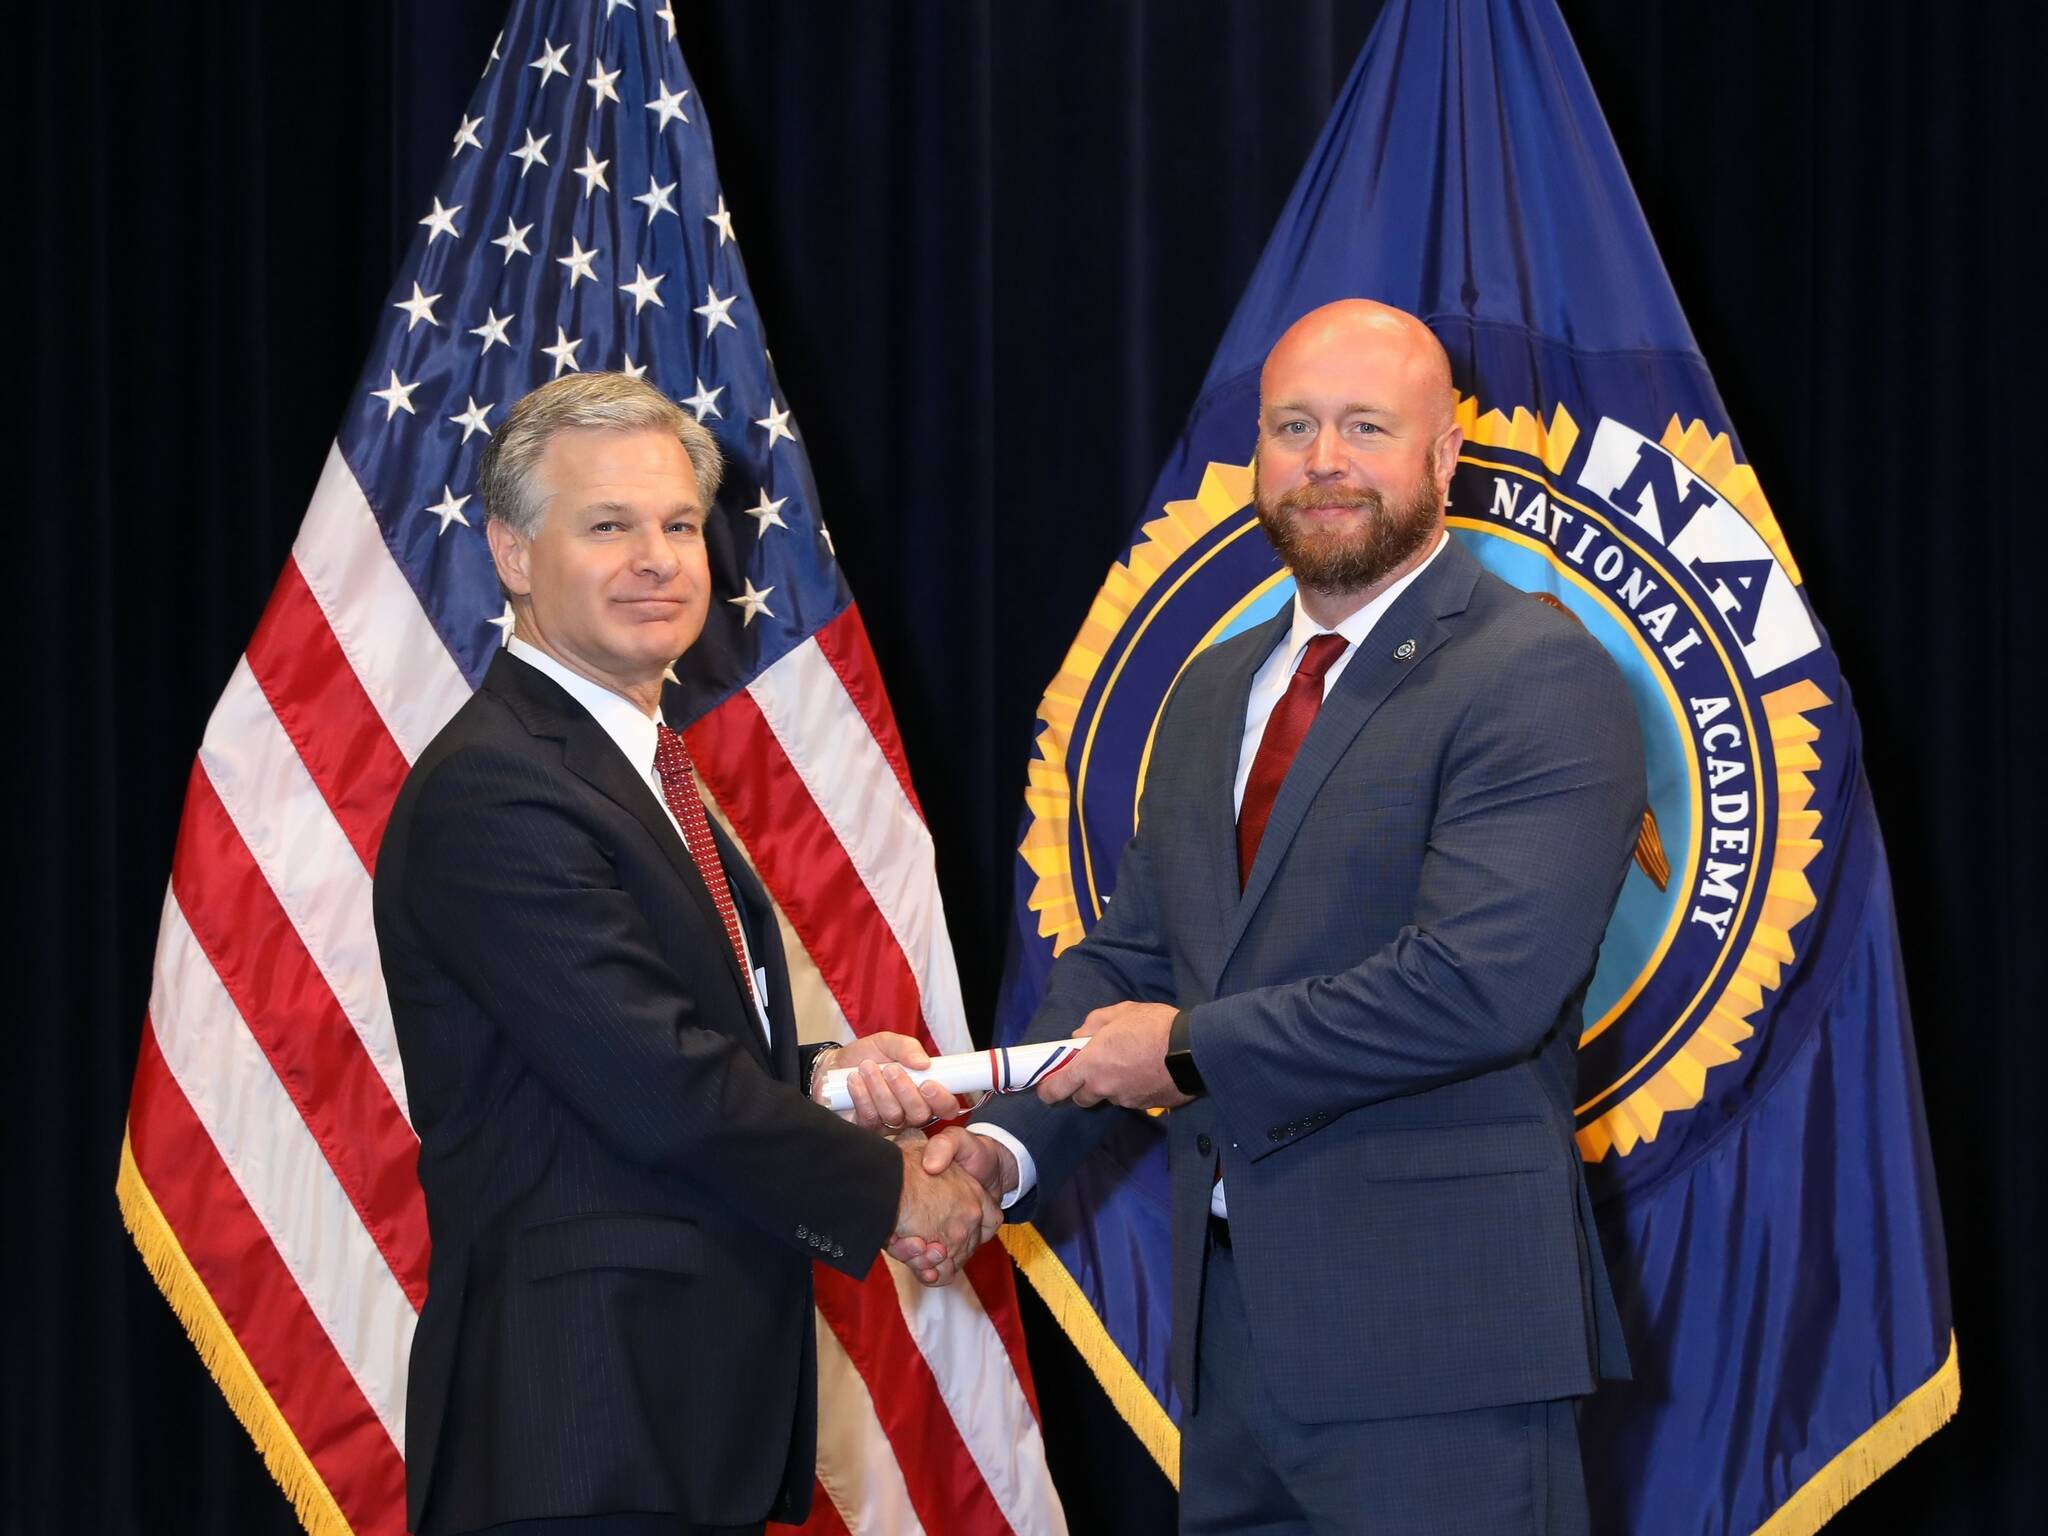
(223, 1354)
(1871, 1454)
(1127, 1391)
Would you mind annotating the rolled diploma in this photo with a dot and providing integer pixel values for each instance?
(1004, 1069)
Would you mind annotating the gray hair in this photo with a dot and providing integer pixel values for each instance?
(582, 402)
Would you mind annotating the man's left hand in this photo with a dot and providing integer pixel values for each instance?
(884, 1097)
(1125, 1062)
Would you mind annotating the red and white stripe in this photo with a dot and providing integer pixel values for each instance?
(269, 1117)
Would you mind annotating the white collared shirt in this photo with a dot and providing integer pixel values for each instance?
(636, 735)
(1269, 685)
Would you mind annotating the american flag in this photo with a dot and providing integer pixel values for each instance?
(268, 1170)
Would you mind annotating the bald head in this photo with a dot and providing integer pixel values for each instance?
(1397, 352)
(1358, 438)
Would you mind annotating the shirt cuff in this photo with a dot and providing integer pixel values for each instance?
(1027, 1170)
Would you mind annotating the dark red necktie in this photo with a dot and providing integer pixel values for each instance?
(1285, 727)
(679, 788)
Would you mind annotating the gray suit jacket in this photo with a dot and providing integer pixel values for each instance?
(1386, 1017)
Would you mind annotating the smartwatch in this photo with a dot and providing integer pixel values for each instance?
(1180, 1058)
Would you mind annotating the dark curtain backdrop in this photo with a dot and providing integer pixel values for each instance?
(993, 245)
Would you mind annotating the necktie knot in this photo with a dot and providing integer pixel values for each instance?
(671, 756)
(1321, 655)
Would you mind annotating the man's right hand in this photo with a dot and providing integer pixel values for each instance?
(986, 1160)
(944, 1214)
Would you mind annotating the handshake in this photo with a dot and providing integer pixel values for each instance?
(953, 1182)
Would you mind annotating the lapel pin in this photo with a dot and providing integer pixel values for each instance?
(1404, 651)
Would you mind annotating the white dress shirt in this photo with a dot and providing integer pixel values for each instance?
(1269, 685)
(636, 735)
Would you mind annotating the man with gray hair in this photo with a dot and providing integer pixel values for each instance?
(625, 1185)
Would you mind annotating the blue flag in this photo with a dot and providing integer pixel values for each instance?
(1749, 1105)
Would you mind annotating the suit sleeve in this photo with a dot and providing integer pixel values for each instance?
(1537, 814)
(1123, 958)
(514, 896)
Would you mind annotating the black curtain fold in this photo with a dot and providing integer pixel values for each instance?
(994, 246)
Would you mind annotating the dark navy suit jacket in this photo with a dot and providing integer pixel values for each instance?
(1386, 1016)
(624, 1187)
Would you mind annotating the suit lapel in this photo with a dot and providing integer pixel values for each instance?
(1226, 746)
(1425, 614)
(595, 758)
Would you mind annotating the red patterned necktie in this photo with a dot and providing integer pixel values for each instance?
(679, 788)
(1285, 727)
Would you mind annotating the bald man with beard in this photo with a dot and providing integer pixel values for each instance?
(1380, 840)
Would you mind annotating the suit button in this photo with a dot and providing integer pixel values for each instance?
(838, 1252)
(1276, 1134)
(802, 1233)
(1203, 1145)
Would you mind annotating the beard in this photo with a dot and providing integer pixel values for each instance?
(1331, 561)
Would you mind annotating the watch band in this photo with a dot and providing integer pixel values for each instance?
(1180, 1058)
(827, 1048)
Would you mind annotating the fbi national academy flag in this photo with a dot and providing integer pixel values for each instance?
(1749, 1107)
